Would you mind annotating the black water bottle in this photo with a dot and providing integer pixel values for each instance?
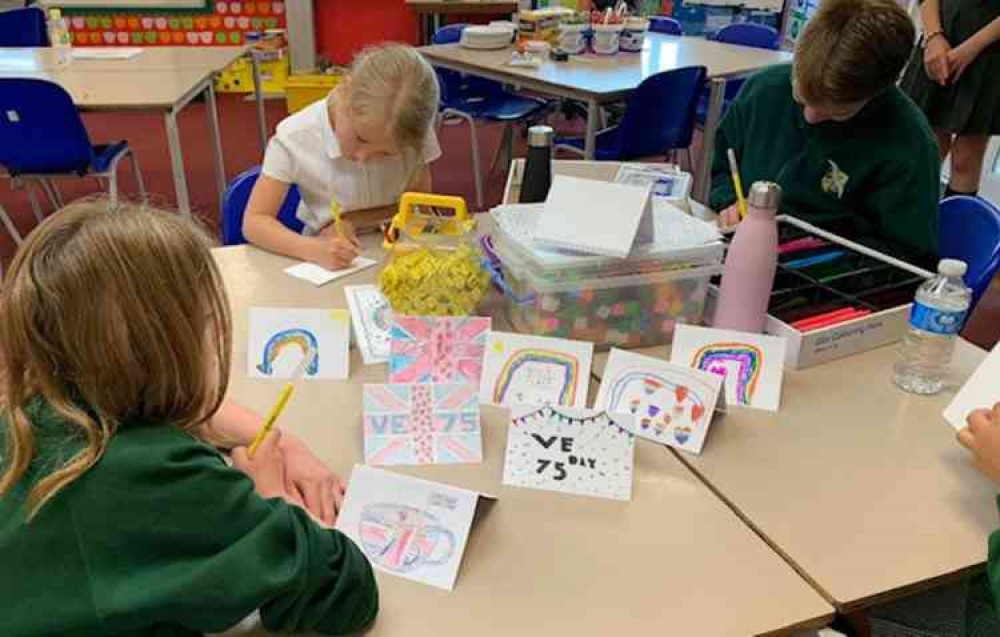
(538, 168)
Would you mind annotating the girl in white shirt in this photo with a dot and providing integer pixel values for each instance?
(370, 141)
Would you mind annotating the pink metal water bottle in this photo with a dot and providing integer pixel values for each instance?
(748, 277)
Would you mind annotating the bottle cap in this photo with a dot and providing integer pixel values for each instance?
(765, 194)
(952, 267)
(540, 136)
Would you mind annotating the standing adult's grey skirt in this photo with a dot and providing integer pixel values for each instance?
(970, 106)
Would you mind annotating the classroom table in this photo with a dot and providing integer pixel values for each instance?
(598, 79)
(861, 486)
(429, 12)
(673, 559)
(163, 79)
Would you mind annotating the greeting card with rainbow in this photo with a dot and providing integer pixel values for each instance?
(751, 364)
(278, 338)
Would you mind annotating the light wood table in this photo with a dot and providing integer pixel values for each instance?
(598, 79)
(861, 486)
(163, 79)
(429, 12)
(673, 559)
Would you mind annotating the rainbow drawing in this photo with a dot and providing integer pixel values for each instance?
(299, 337)
(567, 365)
(719, 358)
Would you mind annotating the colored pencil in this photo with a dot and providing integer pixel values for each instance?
(279, 406)
(734, 170)
(798, 245)
(814, 260)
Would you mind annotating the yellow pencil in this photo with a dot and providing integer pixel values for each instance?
(737, 183)
(286, 393)
(335, 212)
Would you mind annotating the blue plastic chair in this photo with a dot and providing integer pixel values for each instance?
(665, 25)
(758, 36)
(234, 204)
(658, 119)
(473, 98)
(969, 229)
(42, 136)
(23, 27)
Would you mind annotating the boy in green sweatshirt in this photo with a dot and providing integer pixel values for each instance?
(117, 518)
(851, 152)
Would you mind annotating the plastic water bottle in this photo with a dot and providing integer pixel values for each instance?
(936, 317)
(60, 38)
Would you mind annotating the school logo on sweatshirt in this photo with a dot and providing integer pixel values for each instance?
(835, 180)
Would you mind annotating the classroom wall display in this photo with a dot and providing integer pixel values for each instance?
(981, 391)
(579, 451)
(411, 528)
(371, 320)
(422, 423)
(535, 370)
(278, 338)
(671, 404)
(162, 23)
(751, 364)
(440, 349)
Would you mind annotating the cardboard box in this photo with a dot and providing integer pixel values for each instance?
(541, 24)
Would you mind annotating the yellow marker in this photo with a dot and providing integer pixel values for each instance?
(286, 393)
(737, 183)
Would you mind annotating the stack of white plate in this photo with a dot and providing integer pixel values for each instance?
(487, 37)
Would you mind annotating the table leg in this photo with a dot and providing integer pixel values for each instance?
(259, 98)
(177, 162)
(590, 141)
(212, 112)
(703, 180)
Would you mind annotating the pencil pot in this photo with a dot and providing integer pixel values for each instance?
(433, 265)
(573, 38)
(634, 35)
(606, 38)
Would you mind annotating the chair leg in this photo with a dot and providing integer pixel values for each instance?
(35, 206)
(52, 192)
(690, 157)
(476, 170)
(11, 228)
(138, 177)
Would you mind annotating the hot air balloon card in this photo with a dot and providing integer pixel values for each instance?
(408, 527)
(438, 349)
(580, 451)
(751, 364)
(521, 369)
(278, 338)
(371, 320)
(422, 423)
(669, 403)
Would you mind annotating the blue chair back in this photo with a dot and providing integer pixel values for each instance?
(456, 87)
(969, 229)
(23, 27)
(663, 24)
(659, 113)
(40, 129)
(749, 34)
(234, 204)
(449, 34)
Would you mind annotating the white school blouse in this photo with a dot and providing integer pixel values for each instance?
(304, 151)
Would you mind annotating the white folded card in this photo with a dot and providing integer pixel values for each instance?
(981, 391)
(596, 217)
(318, 275)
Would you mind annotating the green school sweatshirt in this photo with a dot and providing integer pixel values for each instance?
(160, 538)
(874, 178)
